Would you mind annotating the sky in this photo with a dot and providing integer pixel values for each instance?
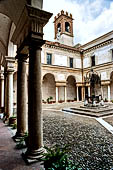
(92, 18)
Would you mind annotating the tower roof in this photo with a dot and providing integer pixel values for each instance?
(69, 15)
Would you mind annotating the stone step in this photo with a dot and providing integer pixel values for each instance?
(94, 110)
(92, 114)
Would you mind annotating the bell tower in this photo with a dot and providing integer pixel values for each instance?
(63, 26)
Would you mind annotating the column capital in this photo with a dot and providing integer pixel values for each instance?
(9, 64)
(30, 25)
(21, 57)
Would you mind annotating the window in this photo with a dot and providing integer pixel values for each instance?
(67, 27)
(49, 58)
(71, 62)
(93, 60)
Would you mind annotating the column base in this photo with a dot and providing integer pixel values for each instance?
(32, 156)
(6, 120)
(18, 136)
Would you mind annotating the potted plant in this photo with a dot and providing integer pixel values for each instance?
(12, 120)
(49, 99)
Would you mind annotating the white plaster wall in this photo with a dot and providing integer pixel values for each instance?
(86, 62)
(42, 57)
(60, 60)
(61, 57)
(103, 75)
(78, 63)
(66, 39)
(60, 77)
(102, 55)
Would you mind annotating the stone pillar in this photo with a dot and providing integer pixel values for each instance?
(109, 97)
(89, 91)
(5, 93)
(102, 91)
(65, 93)
(2, 91)
(35, 120)
(9, 93)
(21, 96)
(31, 44)
(82, 93)
(77, 94)
(57, 94)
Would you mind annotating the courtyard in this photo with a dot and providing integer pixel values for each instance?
(90, 144)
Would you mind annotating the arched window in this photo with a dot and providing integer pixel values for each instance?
(59, 27)
(67, 27)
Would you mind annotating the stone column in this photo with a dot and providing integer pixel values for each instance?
(77, 94)
(5, 93)
(57, 94)
(2, 91)
(65, 93)
(35, 120)
(102, 91)
(89, 91)
(82, 93)
(9, 109)
(109, 97)
(21, 96)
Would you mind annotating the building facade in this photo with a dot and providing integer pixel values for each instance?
(65, 66)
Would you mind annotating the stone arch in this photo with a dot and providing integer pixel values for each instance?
(48, 87)
(71, 88)
(111, 85)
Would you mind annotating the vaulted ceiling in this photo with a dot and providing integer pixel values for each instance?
(10, 11)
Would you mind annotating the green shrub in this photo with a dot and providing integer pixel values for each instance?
(14, 126)
(49, 98)
(57, 159)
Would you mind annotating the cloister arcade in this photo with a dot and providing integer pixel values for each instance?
(21, 36)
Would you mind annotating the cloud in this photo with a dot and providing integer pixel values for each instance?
(92, 18)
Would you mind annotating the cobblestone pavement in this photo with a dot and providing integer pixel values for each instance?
(91, 145)
(10, 158)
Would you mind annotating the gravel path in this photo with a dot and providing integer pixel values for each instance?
(91, 144)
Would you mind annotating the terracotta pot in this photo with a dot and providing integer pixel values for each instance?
(12, 120)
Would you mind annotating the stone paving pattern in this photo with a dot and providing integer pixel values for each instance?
(10, 158)
(91, 145)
